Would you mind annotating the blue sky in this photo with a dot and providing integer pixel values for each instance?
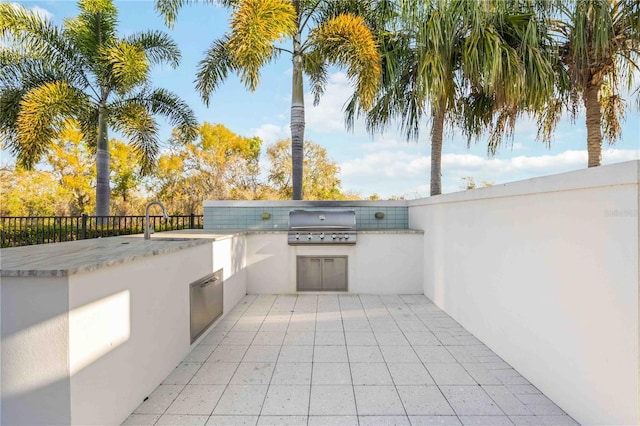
(384, 164)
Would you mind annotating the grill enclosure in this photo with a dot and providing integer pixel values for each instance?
(322, 227)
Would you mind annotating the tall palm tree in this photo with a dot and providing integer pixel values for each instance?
(321, 32)
(82, 70)
(475, 64)
(600, 47)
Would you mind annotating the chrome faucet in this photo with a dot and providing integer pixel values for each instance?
(147, 234)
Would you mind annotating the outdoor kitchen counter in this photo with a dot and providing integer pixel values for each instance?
(68, 258)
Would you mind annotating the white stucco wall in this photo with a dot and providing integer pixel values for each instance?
(230, 255)
(35, 359)
(128, 328)
(380, 263)
(545, 272)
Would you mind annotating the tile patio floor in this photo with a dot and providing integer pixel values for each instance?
(344, 360)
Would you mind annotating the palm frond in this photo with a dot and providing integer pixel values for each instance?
(346, 41)
(34, 37)
(169, 8)
(255, 26)
(88, 121)
(128, 65)
(138, 125)
(158, 47)
(93, 28)
(213, 69)
(167, 104)
(314, 67)
(43, 111)
(10, 98)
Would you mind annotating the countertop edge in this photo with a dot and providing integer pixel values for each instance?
(192, 238)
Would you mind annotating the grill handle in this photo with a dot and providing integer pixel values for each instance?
(313, 228)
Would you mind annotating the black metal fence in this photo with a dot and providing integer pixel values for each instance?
(28, 230)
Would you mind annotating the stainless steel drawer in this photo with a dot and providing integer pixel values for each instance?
(206, 296)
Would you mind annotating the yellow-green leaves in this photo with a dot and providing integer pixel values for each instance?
(42, 115)
(129, 65)
(255, 26)
(346, 40)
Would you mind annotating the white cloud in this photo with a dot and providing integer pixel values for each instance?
(270, 133)
(386, 164)
(400, 172)
(328, 115)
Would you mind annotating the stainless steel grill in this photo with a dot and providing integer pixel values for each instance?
(322, 227)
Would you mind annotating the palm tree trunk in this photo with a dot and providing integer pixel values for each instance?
(103, 191)
(436, 149)
(297, 122)
(594, 116)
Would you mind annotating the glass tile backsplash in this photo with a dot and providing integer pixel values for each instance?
(395, 217)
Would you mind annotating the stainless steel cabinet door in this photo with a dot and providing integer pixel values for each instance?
(317, 273)
(334, 273)
(309, 273)
(206, 296)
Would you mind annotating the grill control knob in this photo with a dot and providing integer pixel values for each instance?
(334, 236)
(309, 236)
(297, 236)
(346, 236)
(322, 236)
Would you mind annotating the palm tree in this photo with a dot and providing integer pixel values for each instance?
(475, 64)
(82, 70)
(321, 32)
(600, 47)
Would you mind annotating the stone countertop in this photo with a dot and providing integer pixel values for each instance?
(68, 258)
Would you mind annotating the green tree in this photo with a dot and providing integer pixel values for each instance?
(321, 180)
(322, 33)
(600, 47)
(477, 64)
(84, 71)
(218, 165)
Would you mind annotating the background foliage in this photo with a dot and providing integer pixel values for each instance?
(219, 164)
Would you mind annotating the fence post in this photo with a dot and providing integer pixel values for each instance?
(84, 225)
(192, 221)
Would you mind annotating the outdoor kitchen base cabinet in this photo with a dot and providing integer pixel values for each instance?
(321, 273)
(206, 302)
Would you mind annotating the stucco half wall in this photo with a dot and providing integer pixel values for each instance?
(545, 272)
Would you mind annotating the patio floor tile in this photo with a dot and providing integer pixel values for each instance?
(344, 360)
(435, 421)
(384, 420)
(292, 373)
(424, 400)
(182, 420)
(241, 400)
(470, 400)
(329, 400)
(378, 401)
(159, 400)
(232, 420)
(331, 373)
(286, 400)
(196, 400)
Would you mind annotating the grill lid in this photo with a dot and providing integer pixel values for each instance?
(322, 227)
